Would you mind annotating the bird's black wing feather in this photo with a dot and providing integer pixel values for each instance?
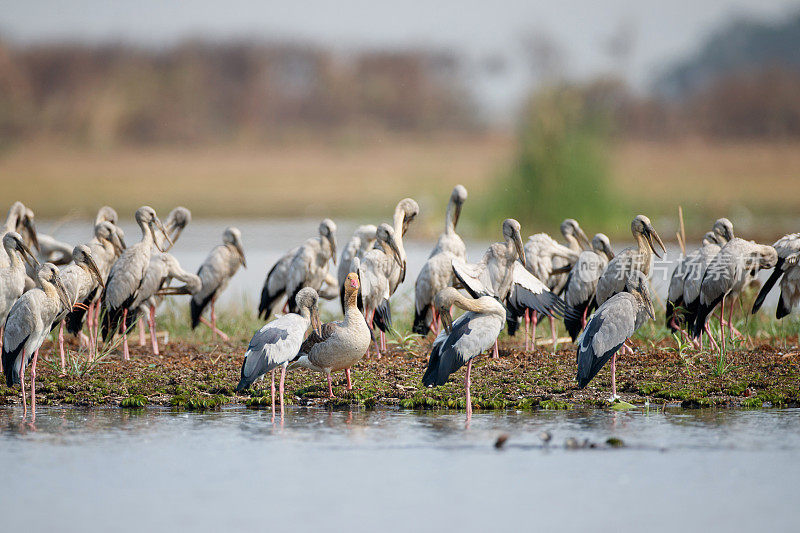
(590, 363)
(771, 281)
(262, 366)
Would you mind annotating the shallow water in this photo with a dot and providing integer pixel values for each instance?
(393, 470)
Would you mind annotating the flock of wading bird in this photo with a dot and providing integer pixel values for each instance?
(602, 297)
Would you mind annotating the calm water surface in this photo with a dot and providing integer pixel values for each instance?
(387, 470)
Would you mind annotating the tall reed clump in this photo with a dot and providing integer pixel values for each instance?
(561, 165)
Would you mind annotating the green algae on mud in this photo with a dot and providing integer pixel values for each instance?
(202, 376)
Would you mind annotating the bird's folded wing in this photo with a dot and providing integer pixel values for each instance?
(470, 277)
(313, 339)
(528, 292)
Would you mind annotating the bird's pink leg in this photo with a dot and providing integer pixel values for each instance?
(142, 339)
(711, 342)
(349, 383)
(272, 389)
(495, 352)
(61, 346)
(213, 324)
(435, 321)
(583, 317)
(383, 341)
(125, 353)
(722, 324)
(283, 377)
(614, 375)
(33, 385)
(534, 321)
(553, 333)
(466, 386)
(527, 324)
(22, 384)
(151, 320)
(330, 386)
(2, 331)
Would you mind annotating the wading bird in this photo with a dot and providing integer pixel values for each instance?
(405, 212)
(549, 261)
(278, 277)
(437, 273)
(374, 273)
(27, 325)
(615, 321)
(18, 221)
(215, 273)
(462, 340)
(727, 274)
(360, 243)
(786, 247)
(278, 342)
(684, 285)
(339, 345)
(638, 258)
(497, 275)
(106, 246)
(12, 276)
(494, 274)
(175, 223)
(80, 279)
(582, 282)
(163, 268)
(126, 277)
(309, 267)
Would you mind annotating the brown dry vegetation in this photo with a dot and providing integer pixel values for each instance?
(357, 179)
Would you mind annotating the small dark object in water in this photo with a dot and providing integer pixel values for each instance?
(546, 437)
(501, 440)
(614, 442)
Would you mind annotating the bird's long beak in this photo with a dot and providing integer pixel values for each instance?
(117, 242)
(456, 214)
(520, 248)
(163, 230)
(175, 230)
(407, 218)
(332, 240)
(608, 251)
(173, 291)
(28, 256)
(316, 323)
(62, 292)
(650, 234)
(95, 271)
(28, 222)
(583, 239)
(240, 252)
(651, 311)
(395, 252)
(447, 319)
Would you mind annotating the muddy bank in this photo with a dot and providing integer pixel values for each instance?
(203, 376)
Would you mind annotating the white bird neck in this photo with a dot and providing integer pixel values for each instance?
(147, 234)
(449, 223)
(14, 257)
(572, 242)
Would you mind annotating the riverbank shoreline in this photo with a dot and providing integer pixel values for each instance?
(201, 376)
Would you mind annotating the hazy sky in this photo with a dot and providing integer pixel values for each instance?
(662, 29)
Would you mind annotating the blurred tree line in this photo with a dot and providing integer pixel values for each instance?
(218, 92)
